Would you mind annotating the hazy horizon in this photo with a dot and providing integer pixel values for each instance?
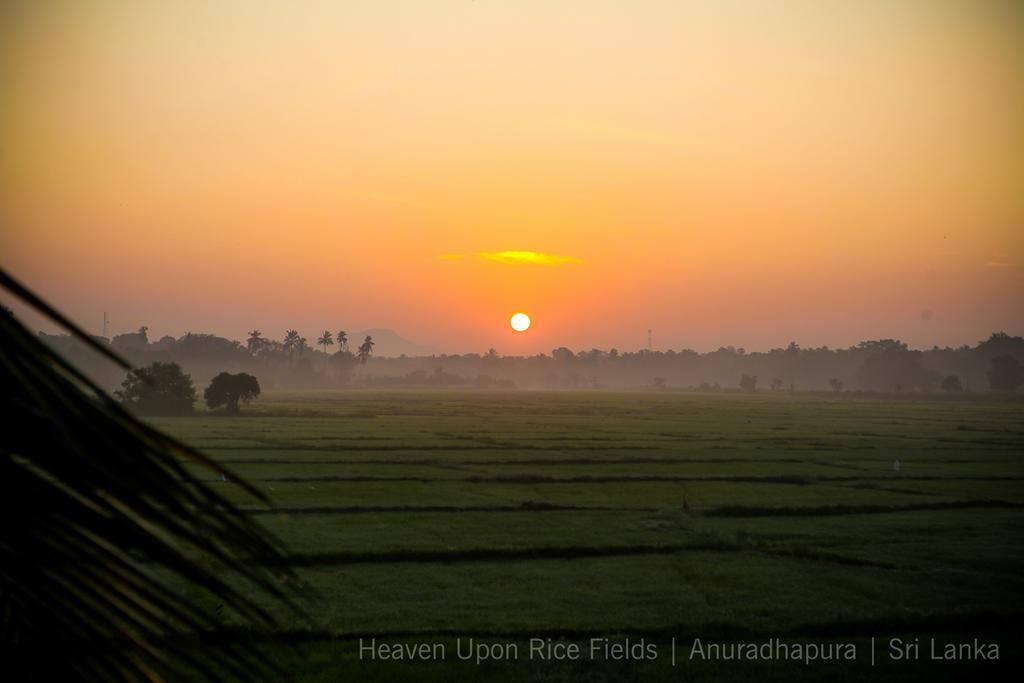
(154, 334)
(740, 173)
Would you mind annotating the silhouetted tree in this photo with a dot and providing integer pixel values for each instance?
(892, 366)
(748, 382)
(443, 379)
(208, 349)
(343, 340)
(776, 384)
(165, 343)
(1006, 373)
(1000, 344)
(255, 342)
(342, 364)
(158, 389)
(227, 390)
(836, 384)
(562, 355)
(951, 384)
(659, 382)
(365, 349)
(291, 340)
(325, 340)
(131, 340)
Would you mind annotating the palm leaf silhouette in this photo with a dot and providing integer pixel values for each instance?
(98, 510)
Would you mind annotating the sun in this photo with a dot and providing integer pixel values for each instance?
(520, 322)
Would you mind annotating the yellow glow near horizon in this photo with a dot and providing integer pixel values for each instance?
(532, 258)
(520, 322)
(517, 258)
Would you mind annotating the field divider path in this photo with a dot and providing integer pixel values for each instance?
(845, 509)
(367, 509)
(570, 553)
(797, 480)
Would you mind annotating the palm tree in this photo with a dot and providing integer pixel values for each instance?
(343, 340)
(255, 342)
(291, 340)
(101, 499)
(325, 340)
(365, 349)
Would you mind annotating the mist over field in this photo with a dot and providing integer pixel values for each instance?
(881, 366)
(595, 341)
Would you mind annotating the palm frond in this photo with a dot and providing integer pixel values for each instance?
(98, 510)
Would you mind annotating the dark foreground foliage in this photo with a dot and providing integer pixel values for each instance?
(94, 504)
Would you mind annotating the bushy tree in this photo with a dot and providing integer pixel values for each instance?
(562, 355)
(892, 367)
(748, 382)
(365, 349)
(343, 363)
(132, 340)
(194, 350)
(951, 384)
(1006, 373)
(158, 389)
(1000, 344)
(227, 390)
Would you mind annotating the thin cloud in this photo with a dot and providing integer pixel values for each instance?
(515, 258)
(531, 258)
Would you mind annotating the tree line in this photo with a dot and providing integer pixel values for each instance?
(886, 366)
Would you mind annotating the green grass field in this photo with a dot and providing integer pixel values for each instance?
(446, 514)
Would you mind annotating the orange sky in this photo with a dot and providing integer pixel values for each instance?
(736, 172)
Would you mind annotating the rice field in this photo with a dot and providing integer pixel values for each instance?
(509, 516)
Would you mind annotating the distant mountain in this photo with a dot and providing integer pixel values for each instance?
(388, 343)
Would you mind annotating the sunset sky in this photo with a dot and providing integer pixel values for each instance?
(732, 172)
